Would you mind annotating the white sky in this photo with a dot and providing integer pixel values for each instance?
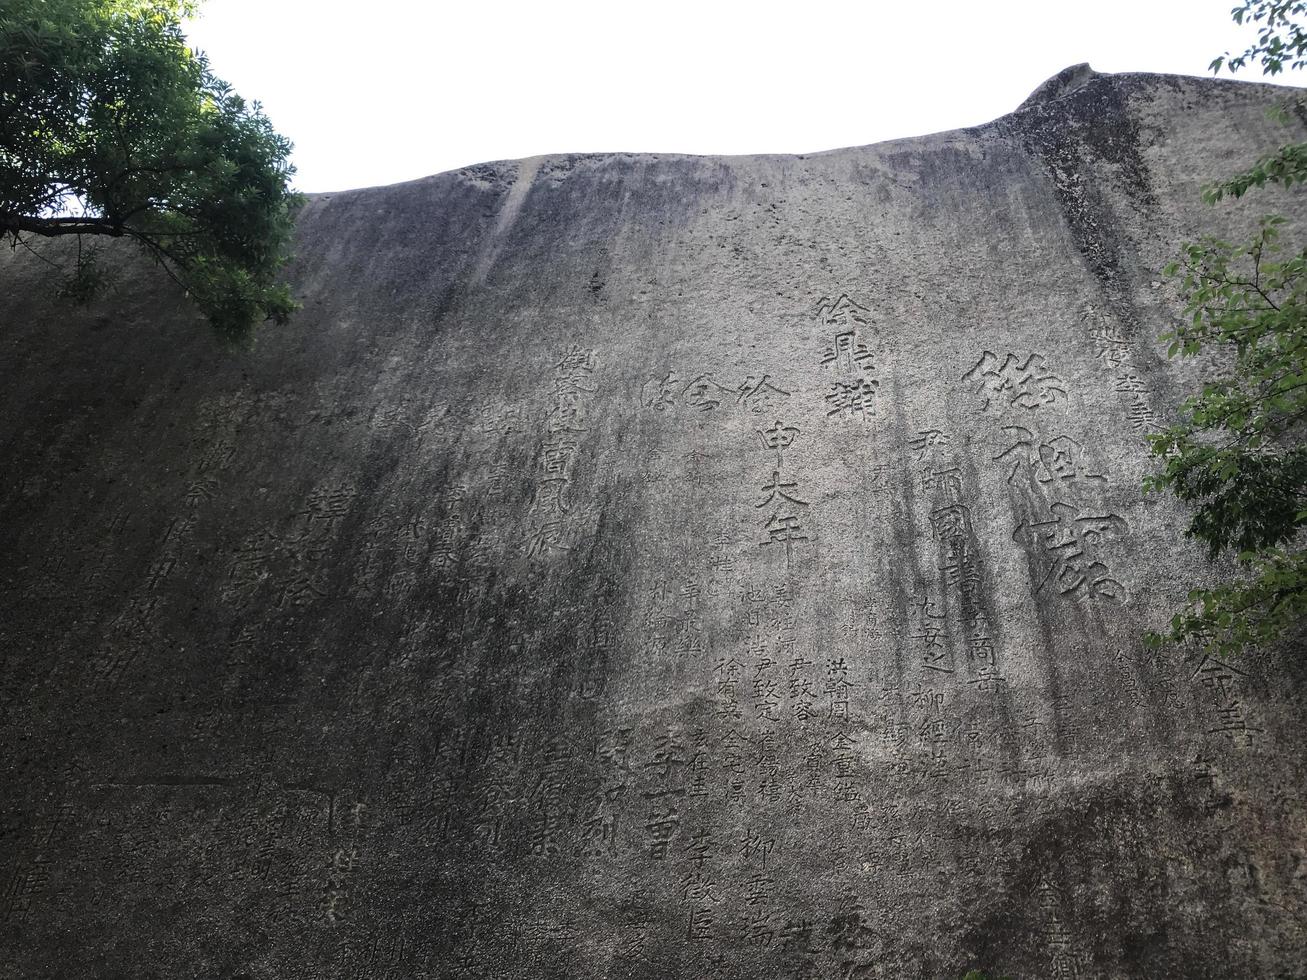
(389, 90)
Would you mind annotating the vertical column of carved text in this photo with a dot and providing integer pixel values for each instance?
(852, 393)
(342, 867)
(663, 794)
(1066, 962)
(28, 885)
(1116, 353)
(941, 480)
(773, 631)
(1226, 690)
(746, 686)
(549, 817)
(601, 807)
(780, 496)
(555, 523)
(700, 859)
(495, 794)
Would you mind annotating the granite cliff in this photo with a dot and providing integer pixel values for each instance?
(650, 566)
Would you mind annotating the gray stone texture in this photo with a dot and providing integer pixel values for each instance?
(650, 566)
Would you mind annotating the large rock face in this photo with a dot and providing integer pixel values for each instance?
(650, 566)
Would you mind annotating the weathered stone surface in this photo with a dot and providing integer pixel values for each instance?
(649, 566)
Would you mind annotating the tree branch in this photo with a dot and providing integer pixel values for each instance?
(53, 227)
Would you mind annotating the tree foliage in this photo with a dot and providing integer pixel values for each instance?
(111, 126)
(1237, 453)
(1281, 41)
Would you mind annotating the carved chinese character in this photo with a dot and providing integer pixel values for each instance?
(927, 443)
(1140, 414)
(760, 395)
(784, 529)
(1060, 459)
(572, 385)
(567, 416)
(327, 505)
(1218, 676)
(1129, 382)
(558, 456)
(777, 488)
(950, 522)
(847, 353)
(576, 359)
(778, 437)
(659, 393)
(842, 312)
(852, 399)
(947, 480)
(1024, 384)
(546, 538)
(662, 826)
(704, 394)
(1071, 543)
(1110, 346)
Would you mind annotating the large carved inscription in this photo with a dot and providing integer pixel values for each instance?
(1056, 477)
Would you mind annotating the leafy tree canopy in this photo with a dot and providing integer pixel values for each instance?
(111, 126)
(1237, 453)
